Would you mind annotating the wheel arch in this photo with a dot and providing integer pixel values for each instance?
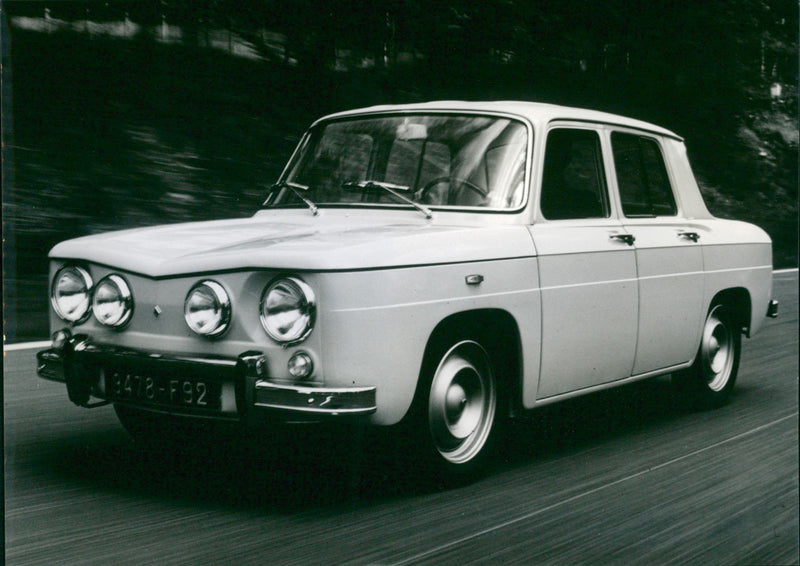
(739, 303)
(498, 332)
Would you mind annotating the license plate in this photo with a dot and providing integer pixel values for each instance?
(163, 390)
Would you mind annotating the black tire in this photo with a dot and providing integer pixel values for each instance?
(709, 382)
(457, 410)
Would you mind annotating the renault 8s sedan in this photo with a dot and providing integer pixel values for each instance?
(443, 266)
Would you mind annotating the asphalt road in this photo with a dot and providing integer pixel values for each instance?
(622, 477)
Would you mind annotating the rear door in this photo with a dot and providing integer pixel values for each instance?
(587, 268)
(669, 259)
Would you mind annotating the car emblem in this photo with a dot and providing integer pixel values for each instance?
(156, 311)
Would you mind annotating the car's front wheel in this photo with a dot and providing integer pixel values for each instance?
(458, 416)
(708, 383)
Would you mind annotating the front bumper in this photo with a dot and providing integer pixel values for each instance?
(315, 400)
(240, 384)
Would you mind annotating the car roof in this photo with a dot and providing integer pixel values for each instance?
(535, 112)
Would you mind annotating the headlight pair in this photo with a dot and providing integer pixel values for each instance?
(73, 297)
(287, 310)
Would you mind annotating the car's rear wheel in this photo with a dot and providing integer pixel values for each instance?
(708, 383)
(458, 416)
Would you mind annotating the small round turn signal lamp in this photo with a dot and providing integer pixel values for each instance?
(60, 338)
(300, 365)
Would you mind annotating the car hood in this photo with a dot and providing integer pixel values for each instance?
(325, 243)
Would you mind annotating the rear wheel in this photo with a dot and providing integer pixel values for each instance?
(708, 383)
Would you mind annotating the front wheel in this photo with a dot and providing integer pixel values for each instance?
(459, 421)
(708, 383)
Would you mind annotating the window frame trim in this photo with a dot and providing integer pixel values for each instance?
(529, 170)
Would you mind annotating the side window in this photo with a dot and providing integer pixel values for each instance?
(644, 185)
(573, 182)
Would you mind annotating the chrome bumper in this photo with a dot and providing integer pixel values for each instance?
(351, 401)
(50, 364)
(78, 362)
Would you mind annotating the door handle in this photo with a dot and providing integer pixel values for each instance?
(693, 236)
(627, 238)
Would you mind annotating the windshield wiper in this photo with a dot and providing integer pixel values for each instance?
(394, 190)
(297, 189)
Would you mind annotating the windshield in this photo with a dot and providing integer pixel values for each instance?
(434, 160)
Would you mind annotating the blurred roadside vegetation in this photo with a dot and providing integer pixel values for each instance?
(131, 113)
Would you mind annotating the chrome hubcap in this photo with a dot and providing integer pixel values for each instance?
(462, 402)
(717, 351)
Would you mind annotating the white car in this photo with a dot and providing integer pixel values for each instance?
(445, 265)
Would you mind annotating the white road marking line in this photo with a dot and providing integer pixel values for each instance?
(579, 496)
(25, 346)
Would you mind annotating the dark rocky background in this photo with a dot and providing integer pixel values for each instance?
(131, 113)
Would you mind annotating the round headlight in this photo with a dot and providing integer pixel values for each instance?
(207, 309)
(113, 302)
(71, 294)
(287, 310)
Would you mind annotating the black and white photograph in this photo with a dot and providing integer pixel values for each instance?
(400, 282)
